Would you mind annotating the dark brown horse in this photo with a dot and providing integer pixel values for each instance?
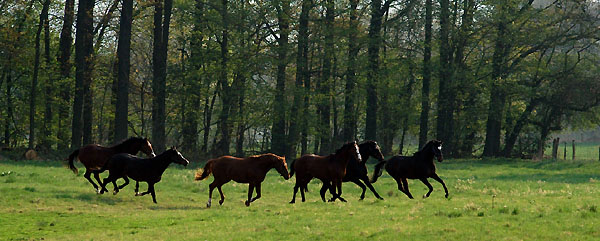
(329, 169)
(251, 170)
(94, 156)
(419, 166)
(356, 171)
(148, 170)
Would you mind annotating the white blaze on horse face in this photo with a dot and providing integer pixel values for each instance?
(440, 148)
(358, 155)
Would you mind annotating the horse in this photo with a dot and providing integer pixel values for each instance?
(147, 170)
(251, 170)
(328, 169)
(356, 171)
(94, 156)
(419, 166)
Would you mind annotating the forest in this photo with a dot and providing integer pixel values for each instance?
(214, 77)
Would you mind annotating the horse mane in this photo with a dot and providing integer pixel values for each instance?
(339, 151)
(127, 141)
(426, 147)
(266, 155)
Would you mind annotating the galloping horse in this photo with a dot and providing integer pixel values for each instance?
(356, 171)
(148, 170)
(251, 170)
(328, 169)
(94, 156)
(419, 166)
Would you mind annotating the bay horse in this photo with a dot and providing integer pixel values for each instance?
(94, 156)
(356, 171)
(419, 166)
(329, 169)
(251, 170)
(147, 170)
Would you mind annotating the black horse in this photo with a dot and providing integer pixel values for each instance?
(419, 166)
(147, 170)
(357, 171)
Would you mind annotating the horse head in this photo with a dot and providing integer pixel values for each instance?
(146, 147)
(370, 148)
(436, 148)
(281, 167)
(176, 157)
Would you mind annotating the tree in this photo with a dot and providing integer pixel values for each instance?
(278, 145)
(123, 55)
(34, 80)
(159, 67)
(83, 72)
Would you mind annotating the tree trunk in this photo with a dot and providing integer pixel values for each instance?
(349, 129)
(241, 125)
(324, 83)
(373, 69)
(9, 108)
(516, 130)
(555, 143)
(497, 96)
(424, 119)
(48, 86)
(159, 59)
(83, 69)
(446, 94)
(64, 60)
(123, 55)
(34, 80)
(278, 146)
(302, 75)
(224, 125)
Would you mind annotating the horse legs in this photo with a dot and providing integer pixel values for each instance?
(338, 184)
(437, 178)
(151, 190)
(304, 187)
(137, 189)
(97, 177)
(123, 185)
(406, 191)
(250, 190)
(362, 186)
(211, 188)
(323, 190)
(365, 179)
(222, 196)
(424, 180)
(87, 176)
(295, 191)
(258, 195)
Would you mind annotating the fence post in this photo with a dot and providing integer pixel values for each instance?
(599, 153)
(565, 152)
(573, 149)
(555, 143)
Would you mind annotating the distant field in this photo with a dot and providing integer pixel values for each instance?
(489, 200)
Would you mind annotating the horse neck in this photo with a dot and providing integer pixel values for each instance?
(266, 163)
(425, 154)
(126, 147)
(160, 162)
(344, 156)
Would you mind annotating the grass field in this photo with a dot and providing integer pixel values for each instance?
(583, 151)
(489, 200)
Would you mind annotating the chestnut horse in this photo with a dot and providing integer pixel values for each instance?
(356, 171)
(148, 170)
(328, 169)
(251, 170)
(94, 156)
(419, 166)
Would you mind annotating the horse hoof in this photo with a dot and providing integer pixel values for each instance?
(99, 191)
(446, 195)
(137, 194)
(221, 202)
(247, 203)
(380, 198)
(115, 192)
(343, 200)
(292, 202)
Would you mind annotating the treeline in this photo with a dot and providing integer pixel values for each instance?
(491, 78)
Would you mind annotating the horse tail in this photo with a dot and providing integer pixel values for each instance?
(203, 174)
(71, 158)
(292, 168)
(378, 171)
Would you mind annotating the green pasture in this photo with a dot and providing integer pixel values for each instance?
(583, 151)
(489, 200)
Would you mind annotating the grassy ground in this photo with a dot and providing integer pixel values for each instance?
(583, 151)
(489, 200)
